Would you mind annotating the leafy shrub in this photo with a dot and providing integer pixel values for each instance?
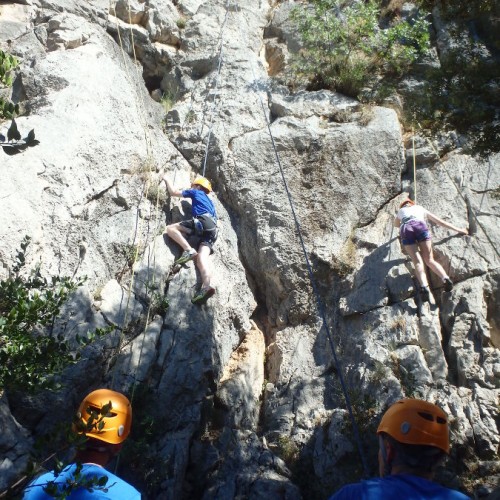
(168, 100)
(345, 49)
(8, 109)
(462, 93)
(30, 354)
(7, 64)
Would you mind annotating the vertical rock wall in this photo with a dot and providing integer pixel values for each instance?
(236, 397)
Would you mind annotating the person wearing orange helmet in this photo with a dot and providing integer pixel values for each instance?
(105, 417)
(203, 225)
(413, 440)
(416, 240)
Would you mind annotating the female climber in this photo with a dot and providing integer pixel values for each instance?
(416, 240)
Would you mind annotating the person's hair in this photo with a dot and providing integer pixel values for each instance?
(204, 189)
(93, 444)
(422, 458)
(406, 202)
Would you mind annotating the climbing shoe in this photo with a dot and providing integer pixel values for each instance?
(203, 295)
(424, 293)
(448, 285)
(186, 256)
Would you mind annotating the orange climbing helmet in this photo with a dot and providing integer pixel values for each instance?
(203, 182)
(117, 421)
(407, 201)
(413, 421)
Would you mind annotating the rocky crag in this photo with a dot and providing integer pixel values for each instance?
(242, 395)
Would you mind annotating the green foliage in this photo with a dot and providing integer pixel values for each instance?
(159, 303)
(7, 64)
(181, 23)
(64, 437)
(77, 480)
(460, 95)
(30, 354)
(287, 449)
(345, 49)
(8, 109)
(453, 9)
(168, 100)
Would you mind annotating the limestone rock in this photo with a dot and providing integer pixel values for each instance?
(235, 396)
(241, 384)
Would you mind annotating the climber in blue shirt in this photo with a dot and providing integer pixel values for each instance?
(203, 224)
(413, 440)
(87, 478)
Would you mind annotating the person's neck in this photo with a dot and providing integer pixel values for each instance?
(402, 469)
(93, 457)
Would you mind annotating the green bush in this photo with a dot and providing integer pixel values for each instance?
(7, 64)
(30, 353)
(345, 49)
(8, 109)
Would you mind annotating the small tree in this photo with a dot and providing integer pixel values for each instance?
(344, 47)
(30, 353)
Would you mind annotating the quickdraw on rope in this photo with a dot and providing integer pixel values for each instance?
(321, 308)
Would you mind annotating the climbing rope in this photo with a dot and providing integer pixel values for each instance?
(138, 222)
(320, 305)
(414, 168)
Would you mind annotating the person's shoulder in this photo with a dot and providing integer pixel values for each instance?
(348, 492)
(122, 490)
(429, 489)
(389, 488)
(34, 491)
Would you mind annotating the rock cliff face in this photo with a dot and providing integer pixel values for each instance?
(242, 395)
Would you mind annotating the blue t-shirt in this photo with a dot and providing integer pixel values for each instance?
(397, 487)
(202, 204)
(117, 488)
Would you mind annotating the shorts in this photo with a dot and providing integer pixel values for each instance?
(209, 234)
(414, 231)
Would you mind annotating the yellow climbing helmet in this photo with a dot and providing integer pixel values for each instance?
(203, 182)
(413, 421)
(117, 421)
